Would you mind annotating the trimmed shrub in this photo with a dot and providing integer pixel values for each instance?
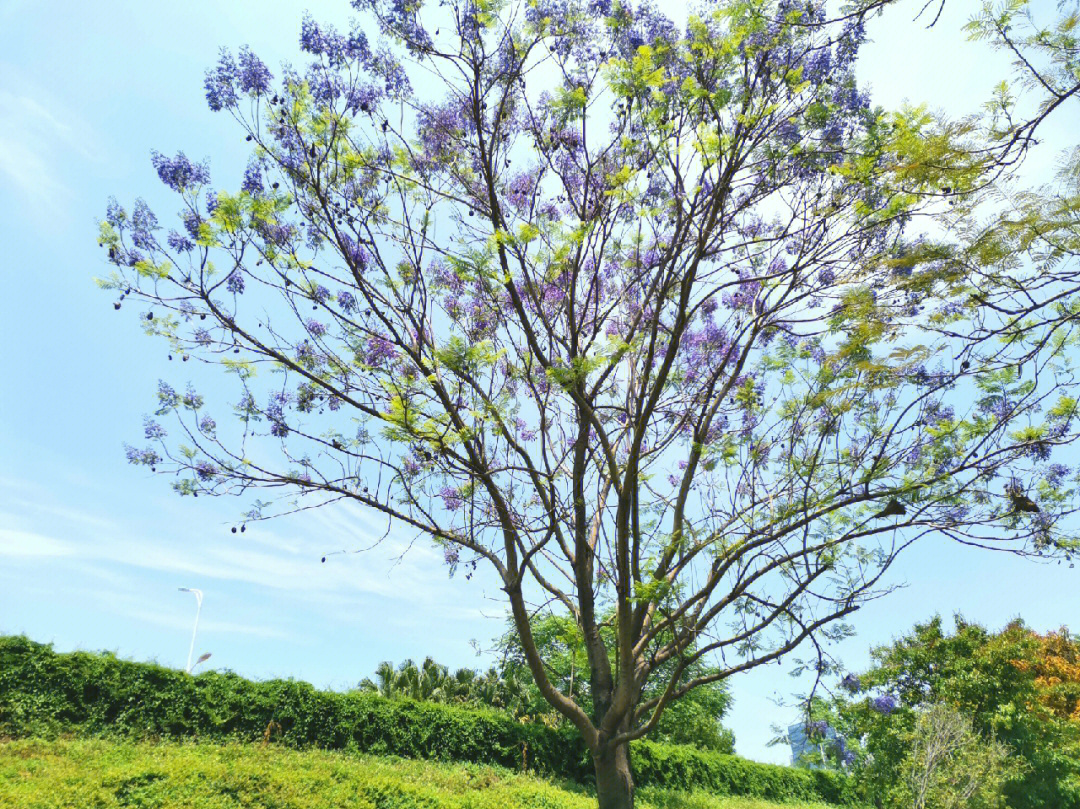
(44, 694)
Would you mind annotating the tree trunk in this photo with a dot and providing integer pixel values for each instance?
(614, 781)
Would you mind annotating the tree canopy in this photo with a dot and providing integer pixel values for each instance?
(1016, 687)
(665, 322)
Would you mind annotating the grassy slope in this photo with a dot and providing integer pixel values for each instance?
(38, 774)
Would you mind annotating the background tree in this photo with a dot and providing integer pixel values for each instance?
(638, 314)
(695, 719)
(949, 765)
(1015, 686)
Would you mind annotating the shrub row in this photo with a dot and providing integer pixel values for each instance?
(43, 693)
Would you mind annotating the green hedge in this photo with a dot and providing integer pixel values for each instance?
(43, 693)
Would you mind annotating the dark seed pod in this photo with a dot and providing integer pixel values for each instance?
(234, 529)
(116, 306)
(324, 560)
(243, 528)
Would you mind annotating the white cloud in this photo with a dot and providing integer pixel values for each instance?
(27, 544)
(38, 136)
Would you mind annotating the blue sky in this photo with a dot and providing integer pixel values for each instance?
(92, 551)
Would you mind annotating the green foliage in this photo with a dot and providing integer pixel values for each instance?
(684, 767)
(693, 719)
(45, 694)
(50, 775)
(948, 765)
(1017, 687)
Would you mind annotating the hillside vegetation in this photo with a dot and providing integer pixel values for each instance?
(59, 774)
(44, 694)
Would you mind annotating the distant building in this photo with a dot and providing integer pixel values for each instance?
(802, 746)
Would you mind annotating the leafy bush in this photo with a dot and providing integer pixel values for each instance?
(43, 693)
(113, 774)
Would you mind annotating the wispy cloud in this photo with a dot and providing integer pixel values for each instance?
(38, 136)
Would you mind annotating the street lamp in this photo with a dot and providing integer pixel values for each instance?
(198, 609)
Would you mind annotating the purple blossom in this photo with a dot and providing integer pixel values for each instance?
(315, 328)
(355, 253)
(205, 470)
(167, 397)
(1055, 472)
(311, 37)
(202, 337)
(379, 350)
(451, 498)
(884, 704)
(114, 213)
(144, 457)
(346, 301)
(254, 75)
(235, 282)
(220, 83)
(192, 223)
(253, 178)
(152, 430)
(178, 172)
(523, 430)
(192, 400)
(143, 225)
(851, 683)
(207, 424)
(1038, 450)
(179, 242)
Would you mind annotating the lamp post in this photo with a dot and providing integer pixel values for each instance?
(198, 609)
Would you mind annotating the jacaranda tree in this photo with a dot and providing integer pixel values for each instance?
(642, 314)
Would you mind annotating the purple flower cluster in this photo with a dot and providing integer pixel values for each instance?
(844, 754)
(851, 683)
(224, 79)
(207, 425)
(523, 430)
(220, 82)
(379, 350)
(1054, 474)
(114, 213)
(180, 242)
(153, 430)
(167, 397)
(178, 172)
(275, 412)
(451, 498)
(205, 470)
(346, 301)
(254, 75)
(253, 179)
(235, 282)
(144, 457)
(884, 704)
(192, 400)
(143, 225)
(355, 253)
(315, 328)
